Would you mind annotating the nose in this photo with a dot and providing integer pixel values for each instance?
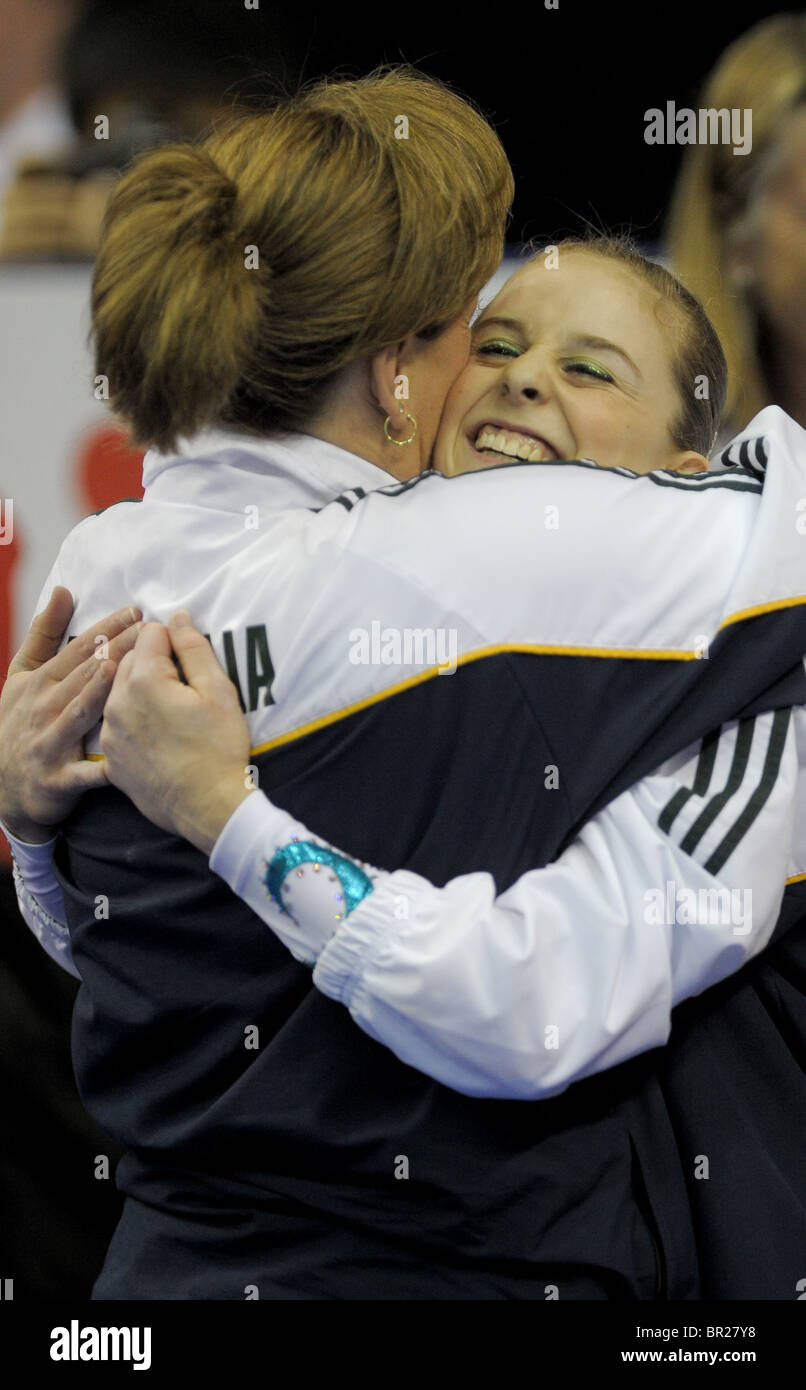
(528, 377)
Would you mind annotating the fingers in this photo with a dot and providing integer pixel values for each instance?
(73, 685)
(152, 653)
(121, 644)
(124, 669)
(85, 645)
(199, 662)
(81, 712)
(148, 662)
(45, 633)
(84, 776)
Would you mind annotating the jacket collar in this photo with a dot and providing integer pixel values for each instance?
(303, 470)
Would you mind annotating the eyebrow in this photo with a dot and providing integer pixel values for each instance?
(503, 323)
(583, 340)
(604, 345)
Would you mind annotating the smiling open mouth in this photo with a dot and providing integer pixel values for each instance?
(511, 444)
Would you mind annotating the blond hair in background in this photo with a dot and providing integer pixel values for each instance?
(237, 276)
(717, 194)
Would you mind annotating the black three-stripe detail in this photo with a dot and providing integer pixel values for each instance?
(715, 480)
(744, 460)
(769, 775)
(725, 458)
(709, 813)
(702, 780)
(746, 480)
(347, 499)
(760, 448)
(738, 769)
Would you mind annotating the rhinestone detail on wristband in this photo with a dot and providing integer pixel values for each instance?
(354, 882)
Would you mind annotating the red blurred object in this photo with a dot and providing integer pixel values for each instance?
(108, 468)
(11, 552)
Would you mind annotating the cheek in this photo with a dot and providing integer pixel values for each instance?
(614, 434)
(595, 416)
(464, 393)
(459, 401)
(445, 378)
(459, 358)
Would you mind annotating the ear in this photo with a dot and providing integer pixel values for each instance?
(689, 462)
(384, 367)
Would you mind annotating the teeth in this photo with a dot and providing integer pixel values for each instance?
(512, 444)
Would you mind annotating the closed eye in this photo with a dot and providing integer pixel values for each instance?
(494, 348)
(589, 369)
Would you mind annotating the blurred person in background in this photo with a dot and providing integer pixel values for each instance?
(736, 233)
(134, 75)
(34, 113)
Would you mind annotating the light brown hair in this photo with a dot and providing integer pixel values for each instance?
(364, 232)
(765, 71)
(696, 349)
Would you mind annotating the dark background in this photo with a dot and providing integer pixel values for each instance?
(566, 89)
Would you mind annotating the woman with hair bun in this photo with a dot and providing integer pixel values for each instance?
(285, 309)
(312, 238)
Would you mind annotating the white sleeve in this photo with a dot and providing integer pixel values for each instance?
(39, 895)
(40, 900)
(574, 968)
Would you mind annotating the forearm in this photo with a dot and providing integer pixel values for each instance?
(40, 899)
(574, 969)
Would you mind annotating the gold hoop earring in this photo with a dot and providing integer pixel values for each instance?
(400, 442)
